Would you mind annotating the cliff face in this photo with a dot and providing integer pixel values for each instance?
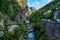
(13, 11)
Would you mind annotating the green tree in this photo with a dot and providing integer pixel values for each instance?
(38, 26)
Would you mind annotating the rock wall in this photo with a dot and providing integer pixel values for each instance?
(52, 28)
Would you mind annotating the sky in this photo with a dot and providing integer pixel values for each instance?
(38, 3)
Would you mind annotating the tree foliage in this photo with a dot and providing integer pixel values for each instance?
(10, 8)
(38, 27)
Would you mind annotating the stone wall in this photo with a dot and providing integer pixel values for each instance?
(56, 15)
(52, 28)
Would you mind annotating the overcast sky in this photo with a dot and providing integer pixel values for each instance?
(38, 3)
